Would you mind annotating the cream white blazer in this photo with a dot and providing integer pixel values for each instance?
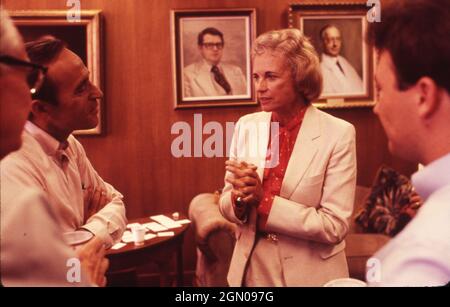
(199, 81)
(310, 217)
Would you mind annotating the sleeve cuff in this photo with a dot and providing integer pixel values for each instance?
(100, 231)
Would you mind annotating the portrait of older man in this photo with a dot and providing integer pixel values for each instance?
(339, 76)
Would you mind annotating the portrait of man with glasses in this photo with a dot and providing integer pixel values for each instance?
(210, 76)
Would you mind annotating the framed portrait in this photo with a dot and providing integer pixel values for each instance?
(211, 57)
(82, 35)
(337, 32)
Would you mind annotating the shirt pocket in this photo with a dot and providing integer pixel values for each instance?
(87, 194)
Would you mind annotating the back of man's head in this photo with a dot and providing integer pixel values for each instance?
(416, 34)
(14, 92)
(10, 40)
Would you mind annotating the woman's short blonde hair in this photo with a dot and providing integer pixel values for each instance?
(300, 55)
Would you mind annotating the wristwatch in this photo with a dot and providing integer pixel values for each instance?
(239, 202)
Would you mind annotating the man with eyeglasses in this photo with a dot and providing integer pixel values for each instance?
(211, 77)
(33, 252)
(52, 160)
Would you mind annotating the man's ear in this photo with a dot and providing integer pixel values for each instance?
(40, 108)
(428, 93)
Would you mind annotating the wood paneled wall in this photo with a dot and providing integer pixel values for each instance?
(134, 154)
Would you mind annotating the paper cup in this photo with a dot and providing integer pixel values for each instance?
(138, 233)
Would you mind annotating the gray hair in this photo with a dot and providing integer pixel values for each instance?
(325, 28)
(10, 39)
(300, 55)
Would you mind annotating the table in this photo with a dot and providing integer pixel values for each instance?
(159, 250)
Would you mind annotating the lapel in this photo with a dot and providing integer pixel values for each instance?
(327, 65)
(305, 149)
(256, 140)
(203, 79)
(263, 139)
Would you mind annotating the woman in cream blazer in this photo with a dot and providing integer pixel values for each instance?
(302, 242)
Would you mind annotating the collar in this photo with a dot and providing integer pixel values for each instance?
(433, 177)
(294, 122)
(208, 66)
(50, 145)
(327, 59)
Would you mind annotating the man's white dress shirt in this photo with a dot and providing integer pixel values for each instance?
(420, 254)
(64, 174)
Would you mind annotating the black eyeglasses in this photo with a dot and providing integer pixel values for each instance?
(211, 46)
(36, 76)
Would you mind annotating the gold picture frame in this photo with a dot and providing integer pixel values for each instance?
(83, 36)
(353, 84)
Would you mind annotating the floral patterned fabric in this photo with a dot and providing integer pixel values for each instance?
(392, 203)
